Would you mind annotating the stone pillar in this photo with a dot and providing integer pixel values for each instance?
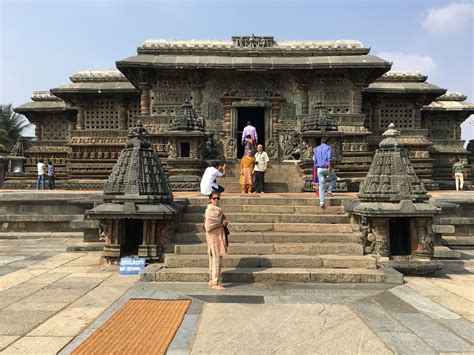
(357, 99)
(227, 117)
(417, 115)
(145, 100)
(304, 99)
(276, 117)
(80, 120)
(38, 130)
(122, 116)
(376, 114)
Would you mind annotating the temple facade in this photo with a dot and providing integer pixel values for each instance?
(281, 86)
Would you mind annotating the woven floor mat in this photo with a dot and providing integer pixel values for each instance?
(140, 326)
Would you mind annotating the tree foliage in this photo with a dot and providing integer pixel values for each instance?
(11, 126)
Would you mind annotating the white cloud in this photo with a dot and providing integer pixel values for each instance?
(448, 19)
(410, 62)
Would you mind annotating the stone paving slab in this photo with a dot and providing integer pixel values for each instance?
(6, 340)
(31, 345)
(436, 335)
(270, 329)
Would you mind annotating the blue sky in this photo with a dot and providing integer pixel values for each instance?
(44, 42)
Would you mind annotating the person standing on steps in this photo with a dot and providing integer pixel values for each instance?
(209, 178)
(41, 170)
(246, 171)
(332, 177)
(459, 174)
(51, 175)
(251, 131)
(261, 164)
(215, 224)
(323, 160)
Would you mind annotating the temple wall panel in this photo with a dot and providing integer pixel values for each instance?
(101, 114)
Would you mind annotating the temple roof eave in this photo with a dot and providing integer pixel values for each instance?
(219, 62)
(405, 88)
(43, 106)
(466, 107)
(95, 88)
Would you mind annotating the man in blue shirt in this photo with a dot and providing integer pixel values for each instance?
(322, 159)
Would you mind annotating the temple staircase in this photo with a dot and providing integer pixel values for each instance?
(274, 238)
(280, 177)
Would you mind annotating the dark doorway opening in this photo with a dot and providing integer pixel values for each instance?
(133, 237)
(400, 236)
(257, 116)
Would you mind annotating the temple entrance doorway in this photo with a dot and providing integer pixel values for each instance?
(400, 236)
(257, 116)
(133, 237)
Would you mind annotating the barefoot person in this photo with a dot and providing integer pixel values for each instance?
(261, 164)
(214, 223)
(246, 172)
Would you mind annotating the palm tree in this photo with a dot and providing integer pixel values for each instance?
(11, 126)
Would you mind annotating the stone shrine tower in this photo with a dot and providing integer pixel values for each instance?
(394, 211)
(138, 210)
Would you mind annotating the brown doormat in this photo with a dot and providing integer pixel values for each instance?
(140, 326)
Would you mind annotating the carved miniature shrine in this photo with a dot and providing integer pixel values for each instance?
(393, 208)
(284, 87)
(137, 216)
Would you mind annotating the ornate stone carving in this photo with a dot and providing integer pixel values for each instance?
(230, 148)
(317, 120)
(272, 148)
(381, 240)
(209, 147)
(171, 150)
(186, 119)
(424, 235)
(252, 41)
(293, 146)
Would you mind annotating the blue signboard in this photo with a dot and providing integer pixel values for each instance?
(131, 266)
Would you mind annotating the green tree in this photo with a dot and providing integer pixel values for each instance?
(11, 126)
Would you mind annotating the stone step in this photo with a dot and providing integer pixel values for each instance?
(274, 218)
(277, 248)
(273, 261)
(274, 237)
(320, 275)
(31, 218)
(40, 235)
(266, 199)
(272, 209)
(270, 187)
(277, 227)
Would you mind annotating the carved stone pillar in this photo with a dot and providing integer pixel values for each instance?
(145, 100)
(276, 117)
(227, 117)
(417, 115)
(380, 237)
(376, 107)
(424, 236)
(304, 99)
(122, 116)
(357, 99)
(80, 120)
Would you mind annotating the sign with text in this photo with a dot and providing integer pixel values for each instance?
(131, 266)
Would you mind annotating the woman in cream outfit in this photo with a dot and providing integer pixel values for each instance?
(214, 223)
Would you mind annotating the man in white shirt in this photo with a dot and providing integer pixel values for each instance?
(261, 163)
(208, 180)
(41, 170)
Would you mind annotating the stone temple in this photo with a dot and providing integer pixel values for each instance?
(195, 96)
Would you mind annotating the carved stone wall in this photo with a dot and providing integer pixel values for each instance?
(101, 113)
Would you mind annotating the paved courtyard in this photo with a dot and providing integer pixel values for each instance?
(50, 300)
